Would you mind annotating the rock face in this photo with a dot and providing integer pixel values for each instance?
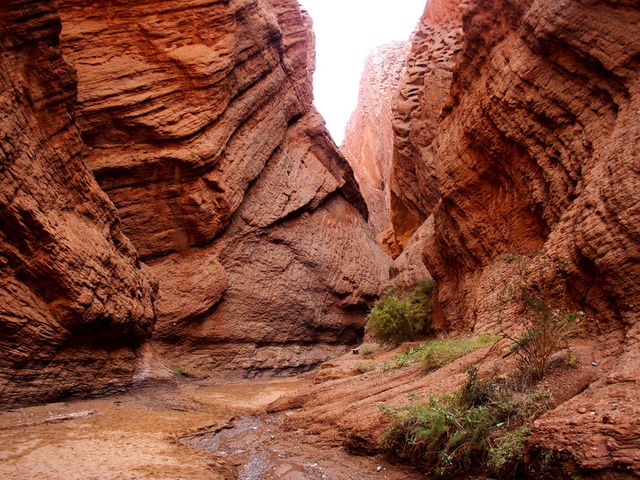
(199, 124)
(421, 97)
(75, 304)
(534, 145)
(368, 142)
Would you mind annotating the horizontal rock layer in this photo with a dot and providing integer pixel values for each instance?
(75, 303)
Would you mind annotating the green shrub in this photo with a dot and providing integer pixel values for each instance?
(397, 317)
(571, 359)
(547, 331)
(508, 450)
(484, 426)
(439, 435)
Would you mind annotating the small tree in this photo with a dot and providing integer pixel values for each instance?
(547, 331)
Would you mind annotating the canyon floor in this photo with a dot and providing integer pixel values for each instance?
(195, 430)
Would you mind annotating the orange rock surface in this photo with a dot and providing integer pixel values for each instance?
(368, 142)
(196, 119)
(75, 304)
(534, 146)
(421, 98)
(199, 124)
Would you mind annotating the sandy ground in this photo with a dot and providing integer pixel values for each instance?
(170, 433)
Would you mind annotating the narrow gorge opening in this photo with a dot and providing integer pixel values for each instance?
(360, 59)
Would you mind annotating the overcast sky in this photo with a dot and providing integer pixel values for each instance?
(346, 30)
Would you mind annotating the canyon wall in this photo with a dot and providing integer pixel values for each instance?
(530, 122)
(368, 141)
(199, 126)
(75, 303)
(421, 97)
(224, 220)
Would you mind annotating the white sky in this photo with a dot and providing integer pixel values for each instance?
(346, 30)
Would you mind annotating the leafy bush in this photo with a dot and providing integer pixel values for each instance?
(508, 450)
(397, 317)
(484, 426)
(439, 435)
(547, 332)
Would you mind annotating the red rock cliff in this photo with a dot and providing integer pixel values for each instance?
(421, 96)
(199, 124)
(535, 151)
(75, 304)
(368, 142)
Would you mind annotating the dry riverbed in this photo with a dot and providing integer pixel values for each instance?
(194, 431)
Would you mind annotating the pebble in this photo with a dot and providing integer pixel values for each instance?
(380, 468)
(582, 410)
(594, 363)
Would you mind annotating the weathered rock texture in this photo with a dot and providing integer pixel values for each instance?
(199, 124)
(74, 301)
(368, 142)
(417, 108)
(535, 148)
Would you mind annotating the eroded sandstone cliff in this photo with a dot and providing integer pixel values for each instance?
(199, 124)
(368, 141)
(418, 104)
(75, 304)
(534, 141)
(238, 224)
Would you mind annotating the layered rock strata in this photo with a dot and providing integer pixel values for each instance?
(199, 124)
(75, 304)
(535, 152)
(368, 141)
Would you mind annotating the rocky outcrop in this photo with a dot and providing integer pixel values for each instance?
(75, 304)
(421, 97)
(199, 124)
(535, 152)
(368, 142)
(539, 152)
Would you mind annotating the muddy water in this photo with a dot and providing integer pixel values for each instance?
(196, 431)
(252, 442)
(263, 448)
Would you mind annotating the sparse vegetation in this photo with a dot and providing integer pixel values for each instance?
(547, 331)
(178, 372)
(509, 449)
(399, 316)
(405, 359)
(485, 425)
(365, 367)
(571, 359)
(368, 349)
(439, 352)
